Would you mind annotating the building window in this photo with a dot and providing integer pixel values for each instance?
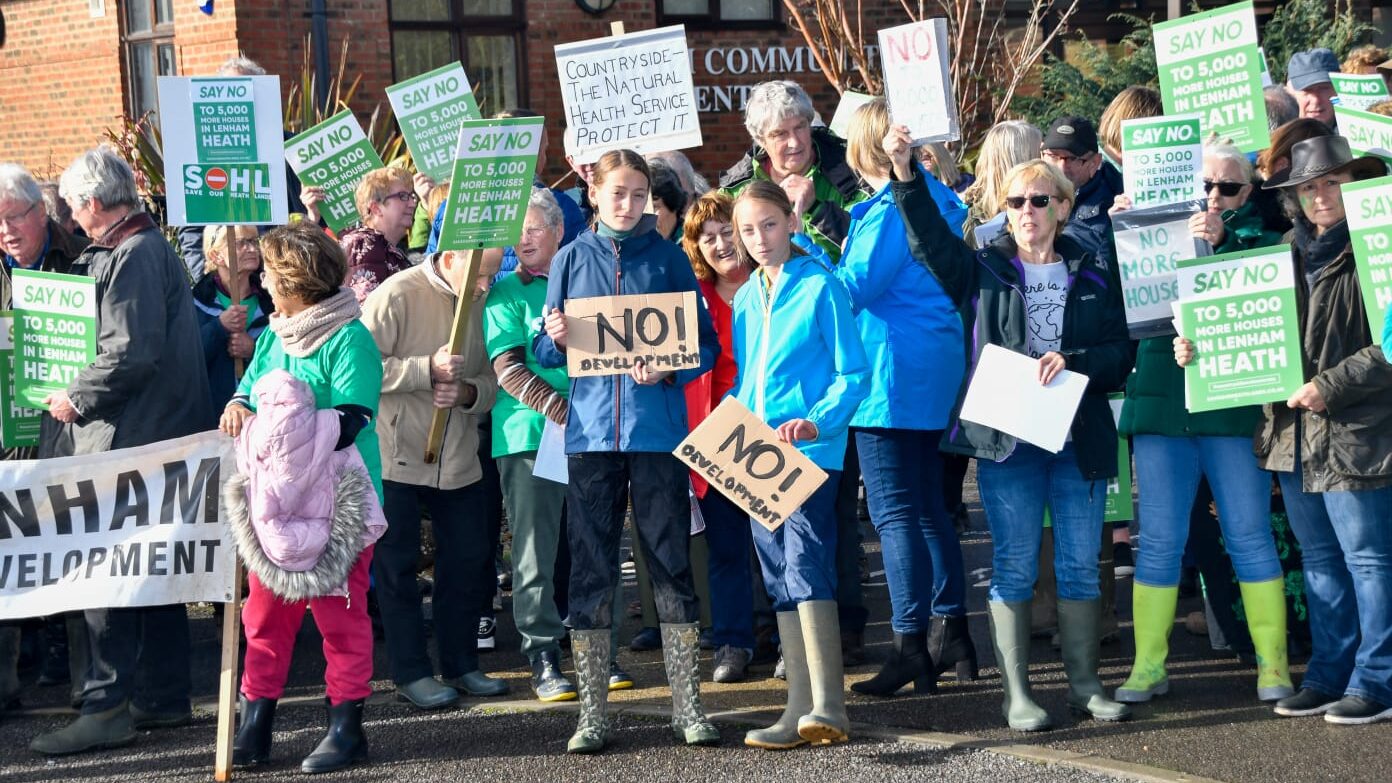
(725, 14)
(147, 42)
(485, 35)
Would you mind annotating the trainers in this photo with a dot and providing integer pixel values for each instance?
(1123, 563)
(618, 678)
(732, 663)
(646, 639)
(780, 672)
(547, 681)
(1357, 711)
(487, 630)
(1305, 702)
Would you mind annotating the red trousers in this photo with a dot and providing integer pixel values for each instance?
(272, 623)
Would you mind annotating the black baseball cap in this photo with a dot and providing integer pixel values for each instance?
(1071, 133)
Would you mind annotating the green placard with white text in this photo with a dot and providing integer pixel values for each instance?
(19, 426)
(1209, 65)
(1118, 505)
(224, 120)
(1359, 90)
(492, 181)
(1239, 310)
(1368, 205)
(1367, 133)
(1162, 160)
(334, 155)
(429, 108)
(55, 332)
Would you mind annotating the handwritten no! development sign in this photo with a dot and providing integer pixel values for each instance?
(743, 459)
(607, 335)
(917, 85)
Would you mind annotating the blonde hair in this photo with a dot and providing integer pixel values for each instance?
(1006, 145)
(865, 139)
(1132, 103)
(215, 241)
(377, 185)
(1035, 171)
(1382, 107)
(947, 171)
(308, 265)
(1364, 59)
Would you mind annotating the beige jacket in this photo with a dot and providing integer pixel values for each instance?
(410, 316)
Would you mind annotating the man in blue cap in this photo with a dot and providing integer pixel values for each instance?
(1307, 79)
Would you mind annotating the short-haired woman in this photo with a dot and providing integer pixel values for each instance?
(386, 200)
(229, 329)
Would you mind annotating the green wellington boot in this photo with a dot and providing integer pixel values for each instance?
(680, 645)
(821, 638)
(111, 728)
(1153, 611)
(590, 650)
(1081, 649)
(1010, 634)
(1265, 603)
(783, 734)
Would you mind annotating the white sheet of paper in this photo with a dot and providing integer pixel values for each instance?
(551, 461)
(1005, 395)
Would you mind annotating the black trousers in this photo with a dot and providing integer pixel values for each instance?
(140, 654)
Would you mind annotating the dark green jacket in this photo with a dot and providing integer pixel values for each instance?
(1155, 391)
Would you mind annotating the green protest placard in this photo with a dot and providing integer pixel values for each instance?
(19, 426)
(1368, 205)
(1118, 503)
(238, 193)
(334, 155)
(55, 332)
(493, 167)
(1367, 133)
(1162, 160)
(1359, 90)
(1209, 64)
(1239, 309)
(224, 120)
(429, 108)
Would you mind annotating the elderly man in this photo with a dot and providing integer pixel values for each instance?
(1307, 80)
(146, 385)
(808, 163)
(1070, 144)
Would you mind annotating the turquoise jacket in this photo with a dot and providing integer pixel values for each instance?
(802, 357)
(910, 328)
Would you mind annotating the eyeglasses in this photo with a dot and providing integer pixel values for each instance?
(1064, 160)
(404, 196)
(248, 246)
(13, 220)
(1228, 189)
(1038, 200)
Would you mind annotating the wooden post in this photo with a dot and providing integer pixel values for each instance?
(227, 680)
(1175, 9)
(464, 302)
(234, 287)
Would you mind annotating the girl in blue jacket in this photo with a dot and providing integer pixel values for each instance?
(620, 433)
(803, 370)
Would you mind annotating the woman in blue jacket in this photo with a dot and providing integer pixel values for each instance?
(620, 433)
(913, 338)
(803, 370)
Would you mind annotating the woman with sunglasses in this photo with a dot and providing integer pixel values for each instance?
(387, 203)
(1039, 293)
(1175, 449)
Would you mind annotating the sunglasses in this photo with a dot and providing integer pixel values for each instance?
(1038, 200)
(1228, 189)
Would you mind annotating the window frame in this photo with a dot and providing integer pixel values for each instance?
(462, 27)
(160, 34)
(711, 20)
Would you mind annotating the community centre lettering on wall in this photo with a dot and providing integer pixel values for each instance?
(494, 163)
(19, 425)
(334, 155)
(609, 335)
(430, 108)
(1368, 205)
(132, 527)
(55, 332)
(1210, 65)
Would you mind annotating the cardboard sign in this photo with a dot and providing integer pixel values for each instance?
(1368, 205)
(917, 80)
(1367, 133)
(55, 332)
(607, 335)
(1162, 160)
(1119, 505)
(846, 109)
(1359, 90)
(19, 426)
(743, 459)
(1005, 394)
(334, 155)
(429, 108)
(1210, 65)
(631, 91)
(1239, 309)
(223, 160)
(493, 167)
(1149, 245)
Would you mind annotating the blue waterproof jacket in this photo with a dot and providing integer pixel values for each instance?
(802, 357)
(911, 329)
(612, 412)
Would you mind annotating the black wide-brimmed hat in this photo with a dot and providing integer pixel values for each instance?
(1323, 155)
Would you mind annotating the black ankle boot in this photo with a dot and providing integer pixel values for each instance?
(344, 744)
(950, 644)
(252, 745)
(908, 662)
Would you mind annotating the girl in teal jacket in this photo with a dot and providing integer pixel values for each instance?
(803, 370)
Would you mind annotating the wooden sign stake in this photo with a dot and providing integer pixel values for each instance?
(234, 288)
(227, 680)
(464, 302)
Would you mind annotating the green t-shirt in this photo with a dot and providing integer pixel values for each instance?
(825, 192)
(346, 370)
(511, 318)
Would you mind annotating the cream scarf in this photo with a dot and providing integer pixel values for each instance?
(306, 332)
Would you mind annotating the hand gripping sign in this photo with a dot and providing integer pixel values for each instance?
(334, 155)
(918, 87)
(608, 335)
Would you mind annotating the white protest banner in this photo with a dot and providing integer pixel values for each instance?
(1367, 133)
(224, 162)
(429, 108)
(19, 426)
(1209, 63)
(1368, 205)
(492, 180)
(334, 155)
(631, 91)
(607, 335)
(1005, 394)
(917, 81)
(1149, 245)
(132, 527)
(1359, 90)
(845, 110)
(743, 459)
(1162, 160)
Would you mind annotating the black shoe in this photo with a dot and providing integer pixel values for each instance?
(646, 639)
(1123, 563)
(619, 679)
(344, 744)
(1189, 582)
(961, 519)
(852, 648)
(950, 645)
(54, 668)
(1305, 702)
(765, 645)
(1357, 711)
(252, 745)
(908, 662)
(547, 681)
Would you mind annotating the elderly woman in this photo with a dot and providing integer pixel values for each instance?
(1175, 449)
(316, 337)
(1330, 445)
(1039, 293)
(386, 200)
(230, 329)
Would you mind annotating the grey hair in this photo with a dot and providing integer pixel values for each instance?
(54, 204)
(16, 184)
(240, 65)
(544, 201)
(694, 184)
(1281, 107)
(99, 173)
(1229, 152)
(773, 102)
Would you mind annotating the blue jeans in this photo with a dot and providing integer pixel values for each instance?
(1346, 551)
(1168, 471)
(731, 579)
(918, 542)
(1015, 493)
(799, 558)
